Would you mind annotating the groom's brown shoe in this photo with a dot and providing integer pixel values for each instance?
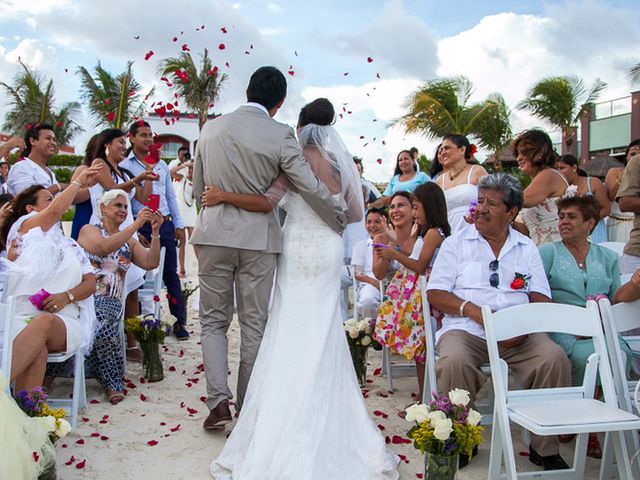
(218, 417)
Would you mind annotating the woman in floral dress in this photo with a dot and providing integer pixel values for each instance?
(400, 325)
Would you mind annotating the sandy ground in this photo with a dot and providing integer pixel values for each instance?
(156, 432)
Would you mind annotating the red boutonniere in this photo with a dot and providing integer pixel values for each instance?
(474, 149)
(520, 281)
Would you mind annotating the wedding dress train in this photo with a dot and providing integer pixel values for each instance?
(303, 416)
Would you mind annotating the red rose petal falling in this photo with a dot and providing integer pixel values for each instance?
(148, 55)
(185, 48)
(223, 29)
(175, 39)
(221, 46)
(369, 59)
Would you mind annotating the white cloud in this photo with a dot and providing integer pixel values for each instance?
(274, 8)
(17, 8)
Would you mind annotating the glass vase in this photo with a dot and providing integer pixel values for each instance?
(152, 361)
(440, 467)
(49, 473)
(359, 358)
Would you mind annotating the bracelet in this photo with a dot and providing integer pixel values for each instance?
(461, 309)
(155, 236)
(75, 182)
(398, 248)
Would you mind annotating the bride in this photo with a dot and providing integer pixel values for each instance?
(303, 416)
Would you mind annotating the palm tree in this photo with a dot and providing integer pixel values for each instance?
(31, 100)
(634, 74)
(112, 101)
(442, 106)
(562, 101)
(198, 89)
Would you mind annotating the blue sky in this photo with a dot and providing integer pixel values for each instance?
(500, 45)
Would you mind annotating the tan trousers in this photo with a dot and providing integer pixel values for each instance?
(219, 269)
(537, 363)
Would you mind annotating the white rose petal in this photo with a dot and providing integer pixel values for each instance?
(473, 418)
(353, 333)
(62, 428)
(48, 423)
(367, 330)
(459, 396)
(365, 341)
(442, 429)
(417, 413)
(436, 415)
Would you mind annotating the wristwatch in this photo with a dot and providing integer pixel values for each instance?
(71, 296)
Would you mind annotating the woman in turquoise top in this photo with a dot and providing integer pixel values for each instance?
(579, 270)
(406, 177)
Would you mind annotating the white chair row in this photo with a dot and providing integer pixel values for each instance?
(556, 411)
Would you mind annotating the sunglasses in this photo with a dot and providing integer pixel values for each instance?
(494, 278)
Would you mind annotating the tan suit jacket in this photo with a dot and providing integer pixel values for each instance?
(244, 152)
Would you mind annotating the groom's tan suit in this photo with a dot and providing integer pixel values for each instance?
(244, 152)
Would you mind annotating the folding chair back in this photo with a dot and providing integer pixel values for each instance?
(7, 314)
(617, 247)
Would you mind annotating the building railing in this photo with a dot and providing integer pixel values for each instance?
(611, 108)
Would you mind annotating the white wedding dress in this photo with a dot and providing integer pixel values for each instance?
(303, 416)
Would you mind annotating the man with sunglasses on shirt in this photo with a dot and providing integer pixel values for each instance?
(490, 263)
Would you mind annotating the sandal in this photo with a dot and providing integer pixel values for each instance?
(114, 397)
(593, 446)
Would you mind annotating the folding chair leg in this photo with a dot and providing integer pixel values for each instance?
(622, 455)
(386, 359)
(496, 453)
(607, 468)
(79, 390)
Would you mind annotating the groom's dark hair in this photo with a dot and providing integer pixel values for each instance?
(267, 86)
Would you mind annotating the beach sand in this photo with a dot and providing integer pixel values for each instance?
(156, 431)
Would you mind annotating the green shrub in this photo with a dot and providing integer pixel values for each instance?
(56, 160)
(69, 214)
(63, 174)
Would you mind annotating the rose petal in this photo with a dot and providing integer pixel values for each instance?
(162, 424)
(36, 457)
(172, 368)
(94, 401)
(81, 464)
(104, 438)
(381, 427)
(143, 397)
(148, 55)
(192, 411)
(156, 298)
(369, 59)
(80, 442)
(71, 460)
(95, 434)
(152, 443)
(203, 399)
(387, 440)
(85, 419)
(221, 46)
(176, 428)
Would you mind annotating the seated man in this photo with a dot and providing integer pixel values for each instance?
(362, 262)
(476, 267)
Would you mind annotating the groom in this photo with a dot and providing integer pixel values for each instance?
(243, 152)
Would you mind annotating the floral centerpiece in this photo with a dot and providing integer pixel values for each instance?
(443, 430)
(150, 333)
(360, 338)
(34, 404)
(188, 289)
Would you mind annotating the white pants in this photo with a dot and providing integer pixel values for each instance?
(368, 300)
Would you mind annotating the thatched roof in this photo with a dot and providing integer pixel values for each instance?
(599, 165)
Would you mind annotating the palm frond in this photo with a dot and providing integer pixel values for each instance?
(634, 74)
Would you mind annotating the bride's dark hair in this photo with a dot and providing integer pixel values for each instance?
(320, 112)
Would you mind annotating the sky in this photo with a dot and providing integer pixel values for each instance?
(366, 56)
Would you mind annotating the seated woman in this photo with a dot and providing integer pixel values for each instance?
(111, 252)
(41, 257)
(400, 324)
(579, 270)
(406, 177)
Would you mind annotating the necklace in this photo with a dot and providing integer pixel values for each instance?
(453, 176)
(579, 255)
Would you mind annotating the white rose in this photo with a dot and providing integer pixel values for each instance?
(473, 418)
(435, 416)
(62, 428)
(353, 332)
(417, 413)
(442, 429)
(459, 396)
(367, 330)
(362, 325)
(365, 341)
(48, 423)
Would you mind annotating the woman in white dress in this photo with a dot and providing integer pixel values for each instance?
(182, 176)
(39, 256)
(303, 416)
(619, 223)
(536, 158)
(460, 181)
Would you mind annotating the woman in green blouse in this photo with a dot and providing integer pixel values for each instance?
(579, 270)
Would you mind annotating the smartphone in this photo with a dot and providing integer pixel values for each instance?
(154, 202)
(379, 245)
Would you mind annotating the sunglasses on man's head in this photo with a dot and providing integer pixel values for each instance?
(494, 278)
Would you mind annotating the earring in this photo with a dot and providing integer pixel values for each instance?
(106, 150)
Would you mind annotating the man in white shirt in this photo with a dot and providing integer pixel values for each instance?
(40, 146)
(477, 266)
(368, 289)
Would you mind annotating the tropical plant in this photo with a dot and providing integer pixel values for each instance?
(114, 101)
(443, 106)
(634, 74)
(198, 88)
(31, 100)
(562, 101)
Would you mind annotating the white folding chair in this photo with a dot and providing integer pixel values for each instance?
(554, 411)
(79, 398)
(617, 247)
(618, 319)
(430, 379)
(153, 285)
(7, 313)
